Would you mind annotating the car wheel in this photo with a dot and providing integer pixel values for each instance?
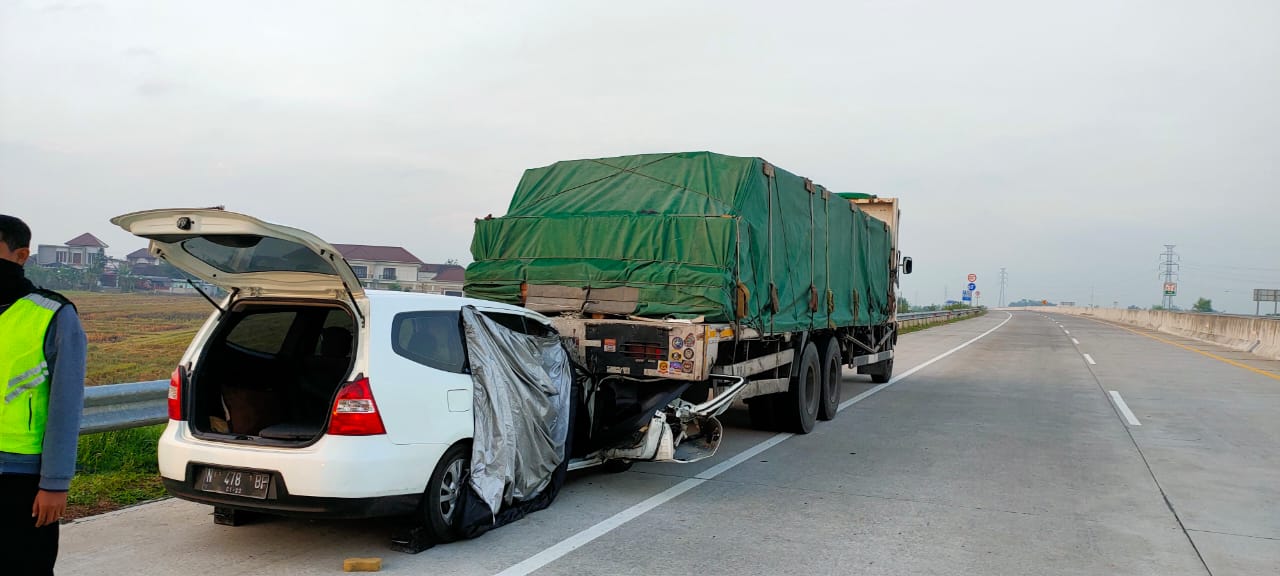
(832, 375)
(800, 409)
(442, 503)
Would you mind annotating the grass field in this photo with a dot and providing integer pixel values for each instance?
(132, 337)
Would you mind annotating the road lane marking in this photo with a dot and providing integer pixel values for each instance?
(1074, 341)
(1067, 331)
(1089, 358)
(1124, 409)
(1271, 375)
(563, 547)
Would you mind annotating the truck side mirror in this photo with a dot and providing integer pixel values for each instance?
(906, 265)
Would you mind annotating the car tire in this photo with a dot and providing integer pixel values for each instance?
(800, 405)
(442, 502)
(832, 378)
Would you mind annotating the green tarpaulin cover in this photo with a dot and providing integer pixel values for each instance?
(692, 232)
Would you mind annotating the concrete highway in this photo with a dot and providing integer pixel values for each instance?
(1015, 443)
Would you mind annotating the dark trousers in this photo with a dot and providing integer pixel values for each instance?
(29, 550)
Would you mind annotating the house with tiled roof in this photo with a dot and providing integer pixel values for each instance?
(382, 267)
(444, 279)
(79, 252)
(142, 256)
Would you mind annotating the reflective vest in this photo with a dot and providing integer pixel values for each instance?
(25, 373)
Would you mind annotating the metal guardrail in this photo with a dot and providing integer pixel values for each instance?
(913, 319)
(122, 406)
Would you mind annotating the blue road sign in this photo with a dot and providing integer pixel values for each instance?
(972, 286)
(964, 295)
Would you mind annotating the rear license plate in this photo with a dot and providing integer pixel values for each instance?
(236, 482)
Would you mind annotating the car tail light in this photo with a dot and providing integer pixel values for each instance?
(175, 394)
(354, 412)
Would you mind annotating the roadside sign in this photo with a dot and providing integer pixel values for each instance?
(972, 286)
(977, 294)
(1265, 295)
(973, 277)
(1170, 288)
(964, 296)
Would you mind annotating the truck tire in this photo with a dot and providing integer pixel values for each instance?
(881, 372)
(799, 407)
(832, 375)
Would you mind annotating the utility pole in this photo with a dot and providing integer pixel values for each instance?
(1169, 273)
(1004, 279)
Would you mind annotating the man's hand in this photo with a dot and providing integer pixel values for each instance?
(48, 507)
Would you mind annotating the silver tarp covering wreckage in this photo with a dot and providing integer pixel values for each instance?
(522, 391)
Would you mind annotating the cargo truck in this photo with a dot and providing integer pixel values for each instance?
(695, 279)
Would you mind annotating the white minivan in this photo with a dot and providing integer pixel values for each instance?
(305, 394)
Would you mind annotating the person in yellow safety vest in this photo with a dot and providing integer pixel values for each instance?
(42, 362)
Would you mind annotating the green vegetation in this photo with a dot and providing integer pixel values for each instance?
(115, 469)
(1203, 305)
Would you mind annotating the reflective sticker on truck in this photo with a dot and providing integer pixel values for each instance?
(610, 345)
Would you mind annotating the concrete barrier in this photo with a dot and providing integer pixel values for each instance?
(1260, 336)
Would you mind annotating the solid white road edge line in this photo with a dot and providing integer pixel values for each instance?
(1124, 409)
(563, 547)
(1089, 359)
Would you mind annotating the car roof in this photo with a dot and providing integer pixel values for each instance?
(442, 302)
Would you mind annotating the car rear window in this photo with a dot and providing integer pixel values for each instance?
(431, 338)
(243, 253)
(262, 332)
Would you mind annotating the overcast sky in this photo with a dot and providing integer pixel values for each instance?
(1065, 141)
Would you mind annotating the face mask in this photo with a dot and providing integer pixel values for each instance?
(13, 282)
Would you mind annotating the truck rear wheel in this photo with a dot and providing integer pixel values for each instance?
(832, 374)
(881, 371)
(799, 406)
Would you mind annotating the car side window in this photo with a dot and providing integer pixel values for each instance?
(431, 338)
(513, 322)
(520, 323)
(535, 328)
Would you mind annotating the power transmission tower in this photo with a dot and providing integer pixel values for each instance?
(1169, 273)
(1004, 279)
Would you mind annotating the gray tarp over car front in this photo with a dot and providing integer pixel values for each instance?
(522, 397)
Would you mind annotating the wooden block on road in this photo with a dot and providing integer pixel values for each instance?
(362, 565)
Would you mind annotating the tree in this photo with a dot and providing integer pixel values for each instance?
(1157, 307)
(903, 305)
(451, 262)
(1203, 305)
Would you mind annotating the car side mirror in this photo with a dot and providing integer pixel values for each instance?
(906, 265)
